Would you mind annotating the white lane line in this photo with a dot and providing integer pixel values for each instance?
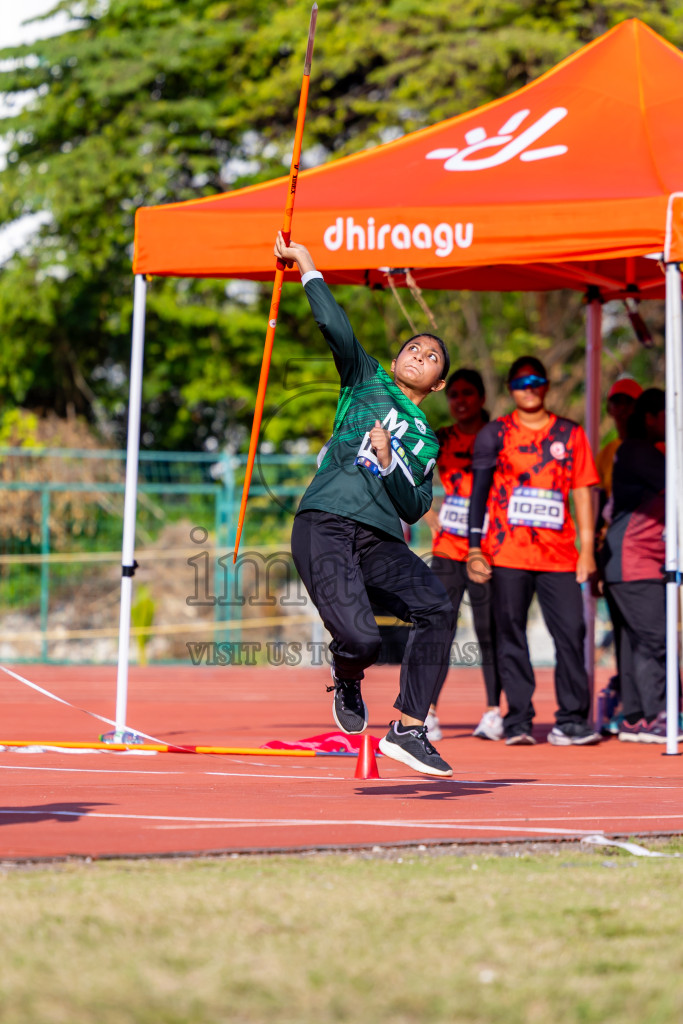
(447, 825)
(389, 824)
(298, 778)
(335, 778)
(554, 785)
(437, 825)
(192, 823)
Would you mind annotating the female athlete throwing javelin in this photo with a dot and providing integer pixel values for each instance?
(347, 539)
(525, 465)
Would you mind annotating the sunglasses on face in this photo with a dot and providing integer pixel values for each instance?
(531, 380)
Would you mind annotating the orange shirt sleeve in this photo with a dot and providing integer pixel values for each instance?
(584, 472)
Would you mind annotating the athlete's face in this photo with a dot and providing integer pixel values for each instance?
(464, 401)
(419, 366)
(529, 399)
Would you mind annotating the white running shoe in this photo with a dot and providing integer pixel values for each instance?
(433, 725)
(490, 727)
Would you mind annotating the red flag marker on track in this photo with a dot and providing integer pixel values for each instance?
(279, 276)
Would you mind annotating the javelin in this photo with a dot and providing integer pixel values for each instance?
(279, 276)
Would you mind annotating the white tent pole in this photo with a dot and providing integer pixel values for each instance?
(130, 501)
(673, 384)
(592, 419)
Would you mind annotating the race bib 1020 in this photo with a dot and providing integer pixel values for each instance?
(532, 506)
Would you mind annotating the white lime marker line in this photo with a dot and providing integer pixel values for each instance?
(206, 822)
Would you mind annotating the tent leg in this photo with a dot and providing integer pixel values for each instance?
(674, 364)
(593, 406)
(130, 501)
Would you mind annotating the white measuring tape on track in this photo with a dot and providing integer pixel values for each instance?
(108, 721)
(100, 718)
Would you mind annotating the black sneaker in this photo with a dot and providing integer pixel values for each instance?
(520, 739)
(348, 706)
(573, 734)
(414, 749)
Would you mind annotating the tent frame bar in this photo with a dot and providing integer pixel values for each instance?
(128, 563)
(674, 511)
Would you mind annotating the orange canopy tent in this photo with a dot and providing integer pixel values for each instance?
(569, 182)
(534, 191)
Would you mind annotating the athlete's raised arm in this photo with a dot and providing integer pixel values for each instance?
(352, 361)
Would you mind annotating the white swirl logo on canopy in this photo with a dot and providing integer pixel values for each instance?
(506, 142)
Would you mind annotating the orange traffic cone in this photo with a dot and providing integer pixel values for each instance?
(366, 766)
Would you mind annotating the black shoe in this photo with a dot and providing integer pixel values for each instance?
(520, 739)
(573, 734)
(348, 706)
(414, 749)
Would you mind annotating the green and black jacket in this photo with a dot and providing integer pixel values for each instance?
(349, 481)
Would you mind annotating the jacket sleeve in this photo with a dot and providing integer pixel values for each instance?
(484, 458)
(352, 361)
(410, 499)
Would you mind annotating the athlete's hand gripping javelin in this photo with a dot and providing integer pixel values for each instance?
(293, 253)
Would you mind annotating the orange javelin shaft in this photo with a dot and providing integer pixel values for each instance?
(279, 277)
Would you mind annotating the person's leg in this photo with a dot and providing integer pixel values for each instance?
(631, 704)
(490, 726)
(450, 575)
(401, 582)
(559, 596)
(484, 626)
(512, 591)
(325, 555)
(621, 648)
(642, 604)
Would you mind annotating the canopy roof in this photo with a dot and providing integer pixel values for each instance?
(565, 183)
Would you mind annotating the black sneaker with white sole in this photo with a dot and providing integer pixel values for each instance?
(413, 749)
(348, 706)
(573, 734)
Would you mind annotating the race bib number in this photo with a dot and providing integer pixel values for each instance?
(454, 516)
(532, 506)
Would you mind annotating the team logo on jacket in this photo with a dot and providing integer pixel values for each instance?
(558, 450)
(420, 426)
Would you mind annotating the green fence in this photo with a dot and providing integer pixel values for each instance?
(61, 523)
(60, 534)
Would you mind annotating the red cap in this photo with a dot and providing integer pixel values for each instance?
(625, 386)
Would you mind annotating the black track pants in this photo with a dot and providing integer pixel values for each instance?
(642, 606)
(559, 596)
(453, 575)
(344, 565)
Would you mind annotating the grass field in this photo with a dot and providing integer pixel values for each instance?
(531, 937)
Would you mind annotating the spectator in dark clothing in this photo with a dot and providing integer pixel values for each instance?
(634, 567)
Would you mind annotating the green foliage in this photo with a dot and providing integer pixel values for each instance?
(142, 616)
(154, 101)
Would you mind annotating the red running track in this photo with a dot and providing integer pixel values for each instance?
(98, 804)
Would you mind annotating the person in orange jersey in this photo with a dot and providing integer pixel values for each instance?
(524, 466)
(466, 396)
